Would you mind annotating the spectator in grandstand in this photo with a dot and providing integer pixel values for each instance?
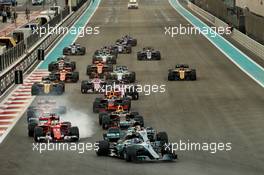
(4, 16)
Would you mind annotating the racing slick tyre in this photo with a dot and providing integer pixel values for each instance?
(128, 49)
(109, 68)
(103, 148)
(38, 132)
(82, 51)
(94, 60)
(34, 89)
(132, 92)
(168, 149)
(193, 75)
(162, 137)
(139, 56)
(89, 70)
(31, 114)
(96, 105)
(158, 56)
(65, 51)
(51, 67)
(74, 131)
(75, 77)
(135, 96)
(171, 76)
(134, 42)
(83, 90)
(31, 127)
(85, 86)
(133, 114)
(113, 60)
(106, 122)
(133, 77)
(130, 154)
(101, 115)
(59, 89)
(62, 86)
(73, 65)
(139, 120)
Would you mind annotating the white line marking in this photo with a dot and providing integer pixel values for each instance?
(208, 38)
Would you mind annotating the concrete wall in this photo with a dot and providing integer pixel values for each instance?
(219, 8)
(254, 26)
(246, 21)
(255, 6)
(241, 38)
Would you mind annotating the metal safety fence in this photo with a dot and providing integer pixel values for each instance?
(12, 54)
(30, 59)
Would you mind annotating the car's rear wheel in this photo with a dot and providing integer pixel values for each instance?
(158, 56)
(75, 77)
(34, 89)
(73, 65)
(133, 114)
(74, 131)
(139, 56)
(83, 51)
(109, 68)
(134, 42)
(162, 137)
(106, 122)
(133, 77)
(135, 96)
(38, 132)
(51, 67)
(103, 148)
(166, 150)
(129, 49)
(193, 75)
(83, 90)
(139, 120)
(101, 115)
(114, 61)
(59, 89)
(170, 76)
(96, 107)
(31, 114)
(31, 127)
(89, 70)
(65, 51)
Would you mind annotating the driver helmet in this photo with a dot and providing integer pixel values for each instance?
(110, 95)
(120, 108)
(136, 140)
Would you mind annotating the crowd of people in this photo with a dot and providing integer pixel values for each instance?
(8, 13)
